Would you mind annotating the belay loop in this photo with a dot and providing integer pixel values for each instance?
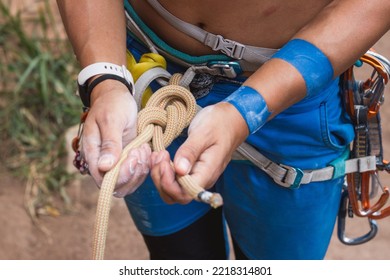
(363, 100)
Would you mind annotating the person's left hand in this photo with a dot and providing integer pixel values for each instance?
(214, 134)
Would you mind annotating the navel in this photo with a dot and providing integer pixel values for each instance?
(201, 25)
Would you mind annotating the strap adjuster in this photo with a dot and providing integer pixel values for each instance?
(229, 47)
(293, 177)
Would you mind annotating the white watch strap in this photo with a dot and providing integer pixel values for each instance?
(104, 68)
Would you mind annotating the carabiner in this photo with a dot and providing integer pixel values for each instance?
(362, 193)
(341, 221)
(76, 140)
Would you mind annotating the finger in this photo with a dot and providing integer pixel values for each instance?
(188, 153)
(164, 178)
(157, 169)
(137, 162)
(155, 173)
(137, 178)
(133, 171)
(171, 186)
(90, 150)
(111, 144)
(207, 169)
(127, 181)
(146, 152)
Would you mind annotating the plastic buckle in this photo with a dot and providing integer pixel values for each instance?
(229, 47)
(229, 69)
(297, 175)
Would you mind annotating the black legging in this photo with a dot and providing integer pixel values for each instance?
(202, 240)
(238, 253)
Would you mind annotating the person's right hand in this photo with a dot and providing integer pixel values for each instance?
(111, 124)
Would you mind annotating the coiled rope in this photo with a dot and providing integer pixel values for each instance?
(168, 111)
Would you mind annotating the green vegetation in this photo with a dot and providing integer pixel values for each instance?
(37, 100)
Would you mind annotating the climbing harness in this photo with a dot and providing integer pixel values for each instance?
(363, 100)
(356, 167)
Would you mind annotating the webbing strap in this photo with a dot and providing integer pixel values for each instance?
(292, 177)
(144, 80)
(231, 48)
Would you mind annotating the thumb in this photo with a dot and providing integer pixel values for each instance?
(187, 155)
(111, 148)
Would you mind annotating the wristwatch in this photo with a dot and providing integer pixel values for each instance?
(106, 71)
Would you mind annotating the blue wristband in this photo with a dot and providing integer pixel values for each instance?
(310, 61)
(251, 106)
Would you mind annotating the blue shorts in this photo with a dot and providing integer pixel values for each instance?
(266, 220)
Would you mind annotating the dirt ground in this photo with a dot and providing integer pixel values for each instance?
(69, 236)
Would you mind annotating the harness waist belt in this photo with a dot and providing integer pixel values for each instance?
(291, 177)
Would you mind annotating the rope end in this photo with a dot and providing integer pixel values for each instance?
(214, 199)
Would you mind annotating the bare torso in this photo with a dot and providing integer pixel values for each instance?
(264, 23)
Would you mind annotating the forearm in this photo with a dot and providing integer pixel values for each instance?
(96, 30)
(343, 31)
(346, 29)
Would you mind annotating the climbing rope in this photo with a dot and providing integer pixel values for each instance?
(168, 111)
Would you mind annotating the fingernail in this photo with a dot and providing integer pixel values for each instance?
(160, 157)
(157, 158)
(184, 165)
(106, 161)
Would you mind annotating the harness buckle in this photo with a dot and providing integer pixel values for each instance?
(229, 47)
(293, 177)
(229, 69)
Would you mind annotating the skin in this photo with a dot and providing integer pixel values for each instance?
(342, 29)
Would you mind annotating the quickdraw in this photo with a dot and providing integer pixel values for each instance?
(363, 100)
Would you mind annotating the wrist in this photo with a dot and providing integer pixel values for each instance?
(96, 73)
(251, 106)
(234, 122)
(109, 87)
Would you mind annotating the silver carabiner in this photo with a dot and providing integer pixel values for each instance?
(341, 221)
